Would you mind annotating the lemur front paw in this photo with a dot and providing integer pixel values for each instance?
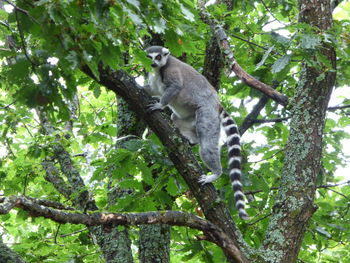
(155, 106)
(205, 179)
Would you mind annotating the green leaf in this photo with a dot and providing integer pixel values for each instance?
(111, 56)
(172, 187)
(160, 26)
(280, 64)
(135, 3)
(130, 184)
(146, 173)
(20, 69)
(266, 54)
(187, 13)
(323, 232)
(22, 215)
(280, 39)
(92, 64)
(97, 91)
(172, 42)
(310, 41)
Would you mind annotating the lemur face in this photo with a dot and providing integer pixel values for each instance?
(159, 56)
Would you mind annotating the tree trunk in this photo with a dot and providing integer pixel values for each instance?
(294, 204)
(154, 246)
(115, 244)
(154, 243)
(8, 256)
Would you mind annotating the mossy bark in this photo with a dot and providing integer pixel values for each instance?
(8, 256)
(154, 242)
(294, 204)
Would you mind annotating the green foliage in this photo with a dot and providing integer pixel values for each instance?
(41, 51)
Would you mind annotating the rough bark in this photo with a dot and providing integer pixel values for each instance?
(294, 204)
(213, 63)
(154, 244)
(127, 122)
(7, 255)
(115, 243)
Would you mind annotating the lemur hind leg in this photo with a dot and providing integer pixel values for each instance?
(187, 128)
(208, 131)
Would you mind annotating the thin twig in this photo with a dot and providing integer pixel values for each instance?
(7, 106)
(338, 107)
(252, 119)
(21, 10)
(318, 187)
(253, 115)
(271, 120)
(346, 197)
(5, 25)
(34, 65)
(268, 10)
(56, 234)
(73, 233)
(260, 219)
(334, 185)
(268, 157)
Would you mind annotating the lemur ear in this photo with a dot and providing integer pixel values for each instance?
(165, 51)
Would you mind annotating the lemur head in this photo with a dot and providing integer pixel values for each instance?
(159, 55)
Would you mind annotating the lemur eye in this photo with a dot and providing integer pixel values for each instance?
(149, 56)
(159, 57)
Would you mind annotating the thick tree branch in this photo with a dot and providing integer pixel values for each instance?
(9, 256)
(53, 176)
(173, 218)
(213, 63)
(234, 66)
(75, 183)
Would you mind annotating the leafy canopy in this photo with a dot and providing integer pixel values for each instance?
(43, 45)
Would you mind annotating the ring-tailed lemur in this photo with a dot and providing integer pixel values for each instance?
(197, 113)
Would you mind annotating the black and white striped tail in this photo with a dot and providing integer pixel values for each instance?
(234, 157)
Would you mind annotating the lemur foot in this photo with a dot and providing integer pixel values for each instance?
(155, 106)
(205, 179)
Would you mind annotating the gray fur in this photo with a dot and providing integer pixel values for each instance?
(196, 112)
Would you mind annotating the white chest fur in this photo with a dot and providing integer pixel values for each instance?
(156, 84)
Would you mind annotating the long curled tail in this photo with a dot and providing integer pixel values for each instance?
(234, 157)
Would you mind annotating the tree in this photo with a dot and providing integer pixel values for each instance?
(80, 171)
